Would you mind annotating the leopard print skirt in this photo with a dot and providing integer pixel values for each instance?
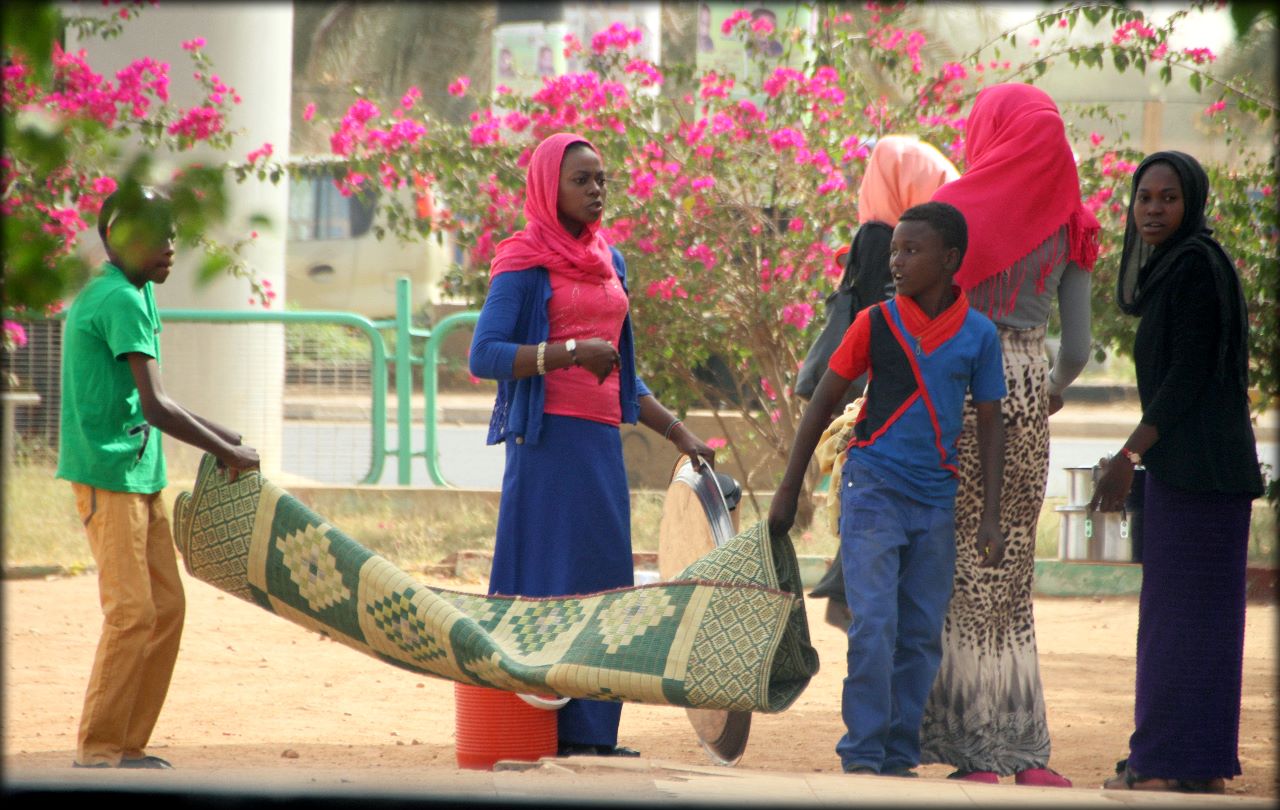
(986, 711)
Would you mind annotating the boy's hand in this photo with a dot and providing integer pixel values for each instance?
(241, 458)
(990, 544)
(782, 512)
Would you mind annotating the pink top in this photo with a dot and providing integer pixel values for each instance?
(584, 309)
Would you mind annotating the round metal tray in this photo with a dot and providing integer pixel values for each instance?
(695, 521)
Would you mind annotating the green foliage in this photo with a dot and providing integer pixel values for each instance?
(66, 150)
(718, 272)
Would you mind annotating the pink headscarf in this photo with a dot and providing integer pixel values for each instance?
(901, 172)
(544, 242)
(1019, 187)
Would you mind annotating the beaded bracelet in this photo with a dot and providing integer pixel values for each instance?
(666, 434)
(542, 358)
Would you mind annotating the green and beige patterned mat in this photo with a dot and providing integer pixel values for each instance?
(729, 633)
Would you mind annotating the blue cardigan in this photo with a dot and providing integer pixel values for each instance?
(515, 314)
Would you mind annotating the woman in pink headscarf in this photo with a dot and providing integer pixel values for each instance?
(556, 335)
(1031, 241)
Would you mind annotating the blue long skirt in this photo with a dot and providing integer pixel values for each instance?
(1190, 633)
(564, 528)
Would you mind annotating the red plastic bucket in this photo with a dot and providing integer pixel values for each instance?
(491, 725)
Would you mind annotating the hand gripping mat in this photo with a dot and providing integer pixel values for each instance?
(730, 633)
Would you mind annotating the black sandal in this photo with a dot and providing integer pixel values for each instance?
(1128, 779)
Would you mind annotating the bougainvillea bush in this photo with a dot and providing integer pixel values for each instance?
(729, 193)
(72, 136)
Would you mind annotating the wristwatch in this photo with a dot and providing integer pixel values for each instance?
(571, 346)
(1134, 458)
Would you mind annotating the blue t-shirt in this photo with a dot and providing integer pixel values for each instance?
(907, 449)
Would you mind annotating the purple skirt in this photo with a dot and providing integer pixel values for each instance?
(1190, 633)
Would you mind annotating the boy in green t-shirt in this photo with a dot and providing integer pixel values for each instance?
(112, 399)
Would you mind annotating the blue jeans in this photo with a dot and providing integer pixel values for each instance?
(899, 558)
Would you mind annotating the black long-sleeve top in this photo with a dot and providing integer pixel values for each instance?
(1201, 410)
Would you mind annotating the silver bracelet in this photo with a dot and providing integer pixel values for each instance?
(542, 358)
(666, 434)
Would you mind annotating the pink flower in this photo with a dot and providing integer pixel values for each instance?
(702, 183)
(572, 45)
(1215, 108)
(717, 442)
(797, 315)
(262, 152)
(1160, 51)
(796, 225)
(733, 19)
(767, 388)
(775, 415)
(410, 97)
(762, 26)
(193, 44)
(104, 185)
(786, 138)
(309, 112)
(1095, 138)
(1199, 55)
(459, 86)
(702, 253)
(666, 289)
(616, 36)
(14, 334)
(198, 123)
(651, 75)
(1266, 191)
(1132, 29)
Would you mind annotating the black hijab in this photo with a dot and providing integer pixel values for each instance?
(1144, 269)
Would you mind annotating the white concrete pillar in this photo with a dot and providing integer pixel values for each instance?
(232, 374)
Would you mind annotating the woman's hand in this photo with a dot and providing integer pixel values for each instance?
(1055, 403)
(990, 544)
(597, 356)
(1112, 488)
(691, 446)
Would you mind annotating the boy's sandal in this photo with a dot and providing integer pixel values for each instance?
(1128, 779)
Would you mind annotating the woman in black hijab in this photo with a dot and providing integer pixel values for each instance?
(1197, 444)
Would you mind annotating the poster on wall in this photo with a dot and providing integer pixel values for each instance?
(525, 52)
(773, 44)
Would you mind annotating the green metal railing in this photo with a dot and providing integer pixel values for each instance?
(405, 360)
(378, 346)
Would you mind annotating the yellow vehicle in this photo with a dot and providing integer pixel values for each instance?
(334, 261)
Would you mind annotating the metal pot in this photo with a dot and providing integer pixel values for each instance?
(1102, 536)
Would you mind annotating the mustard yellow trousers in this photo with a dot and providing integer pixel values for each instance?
(143, 609)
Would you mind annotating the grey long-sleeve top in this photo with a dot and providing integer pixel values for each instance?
(1069, 283)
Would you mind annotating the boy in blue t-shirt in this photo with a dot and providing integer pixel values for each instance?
(923, 350)
(113, 410)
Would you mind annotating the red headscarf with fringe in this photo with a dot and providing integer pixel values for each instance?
(544, 242)
(1019, 188)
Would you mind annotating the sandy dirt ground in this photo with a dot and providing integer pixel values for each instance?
(254, 692)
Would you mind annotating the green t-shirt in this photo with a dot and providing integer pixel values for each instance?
(105, 441)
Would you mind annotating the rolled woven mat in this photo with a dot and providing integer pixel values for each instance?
(729, 633)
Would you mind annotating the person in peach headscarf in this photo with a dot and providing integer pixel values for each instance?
(555, 333)
(902, 171)
(1031, 245)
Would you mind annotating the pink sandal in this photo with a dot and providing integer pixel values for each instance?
(1041, 777)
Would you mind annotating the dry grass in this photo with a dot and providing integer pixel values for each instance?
(41, 526)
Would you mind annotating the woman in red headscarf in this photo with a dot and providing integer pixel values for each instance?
(556, 335)
(1031, 241)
